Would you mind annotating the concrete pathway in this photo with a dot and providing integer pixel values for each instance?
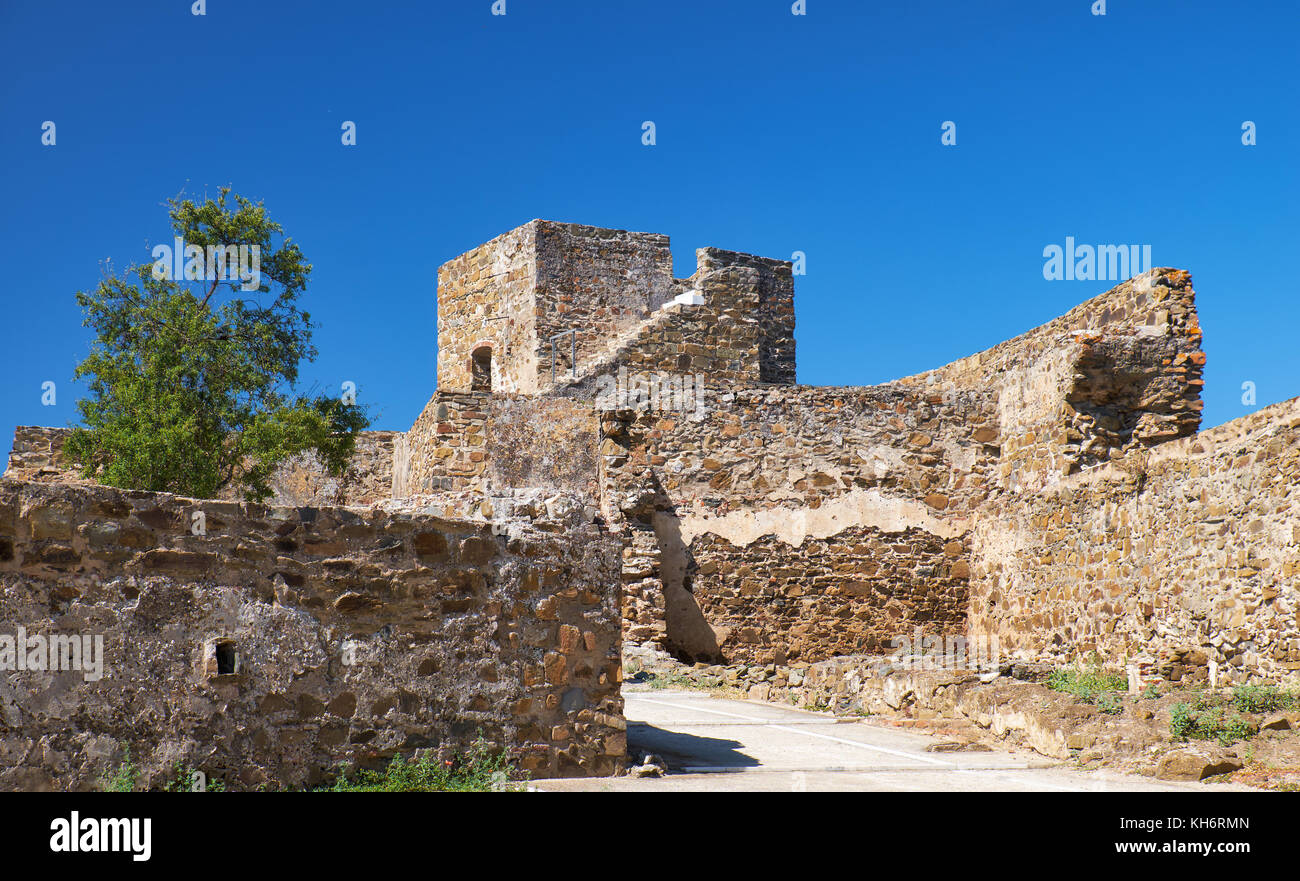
(711, 744)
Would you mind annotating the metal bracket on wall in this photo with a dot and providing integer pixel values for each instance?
(573, 353)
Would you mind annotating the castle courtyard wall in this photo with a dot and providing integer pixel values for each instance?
(1118, 373)
(37, 456)
(359, 634)
(770, 602)
(797, 522)
(1189, 551)
(490, 444)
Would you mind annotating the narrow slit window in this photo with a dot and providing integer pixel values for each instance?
(226, 658)
(481, 369)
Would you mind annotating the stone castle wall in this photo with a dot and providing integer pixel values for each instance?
(368, 479)
(37, 456)
(768, 471)
(718, 339)
(493, 443)
(768, 602)
(446, 447)
(805, 446)
(1192, 548)
(599, 282)
(485, 298)
(1118, 373)
(1050, 491)
(359, 634)
(878, 480)
(544, 443)
(770, 288)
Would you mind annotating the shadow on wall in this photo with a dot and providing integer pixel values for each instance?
(689, 636)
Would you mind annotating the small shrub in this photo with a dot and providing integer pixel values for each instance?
(1202, 720)
(1090, 684)
(673, 680)
(1236, 729)
(1181, 720)
(1262, 699)
(481, 770)
(183, 781)
(1110, 702)
(121, 779)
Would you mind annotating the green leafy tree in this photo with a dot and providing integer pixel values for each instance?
(191, 379)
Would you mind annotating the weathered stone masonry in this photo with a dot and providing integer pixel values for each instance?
(484, 301)
(1193, 547)
(935, 452)
(821, 597)
(37, 456)
(775, 472)
(357, 634)
(1118, 373)
(489, 443)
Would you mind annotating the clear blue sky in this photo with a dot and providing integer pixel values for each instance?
(776, 133)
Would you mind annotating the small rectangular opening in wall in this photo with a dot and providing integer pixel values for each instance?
(572, 359)
(227, 659)
(481, 369)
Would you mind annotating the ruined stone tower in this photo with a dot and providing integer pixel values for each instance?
(513, 313)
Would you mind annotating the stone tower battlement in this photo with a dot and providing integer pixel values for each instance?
(515, 313)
